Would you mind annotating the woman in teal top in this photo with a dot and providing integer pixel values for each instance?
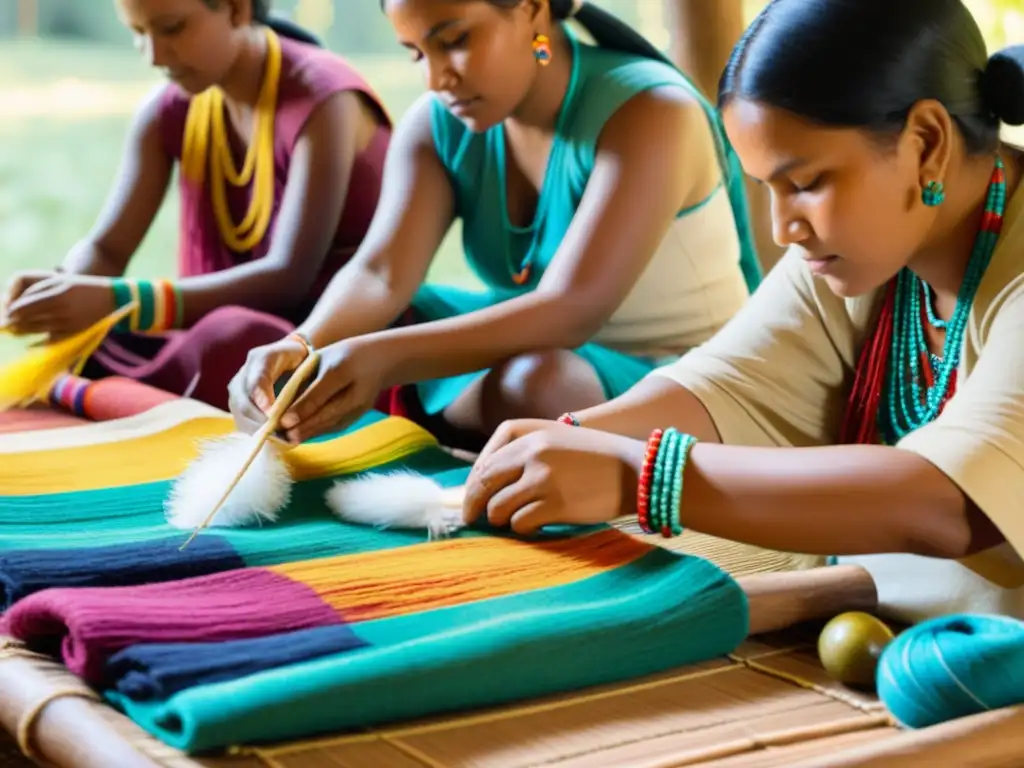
(600, 204)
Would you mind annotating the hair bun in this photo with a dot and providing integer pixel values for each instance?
(1002, 85)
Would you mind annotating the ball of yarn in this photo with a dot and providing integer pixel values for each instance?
(951, 667)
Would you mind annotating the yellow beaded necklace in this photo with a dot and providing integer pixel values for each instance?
(206, 138)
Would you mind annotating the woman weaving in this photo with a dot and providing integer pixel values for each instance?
(599, 205)
(869, 398)
(280, 146)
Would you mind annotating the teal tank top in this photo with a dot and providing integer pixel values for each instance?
(601, 81)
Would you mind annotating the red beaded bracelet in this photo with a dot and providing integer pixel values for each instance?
(569, 420)
(643, 493)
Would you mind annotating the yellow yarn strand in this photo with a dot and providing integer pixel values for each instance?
(206, 145)
(30, 378)
(165, 454)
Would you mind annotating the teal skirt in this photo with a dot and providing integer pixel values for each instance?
(617, 371)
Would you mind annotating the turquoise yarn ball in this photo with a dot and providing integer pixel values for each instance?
(951, 667)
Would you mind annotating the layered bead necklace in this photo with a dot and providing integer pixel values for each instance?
(900, 385)
(207, 155)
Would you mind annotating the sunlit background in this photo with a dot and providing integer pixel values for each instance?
(70, 78)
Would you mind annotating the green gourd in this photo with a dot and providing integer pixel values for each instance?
(849, 648)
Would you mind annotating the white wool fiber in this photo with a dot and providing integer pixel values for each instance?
(263, 491)
(401, 500)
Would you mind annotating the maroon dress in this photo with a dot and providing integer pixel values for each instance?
(200, 361)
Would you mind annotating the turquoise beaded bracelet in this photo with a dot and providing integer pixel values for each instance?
(664, 491)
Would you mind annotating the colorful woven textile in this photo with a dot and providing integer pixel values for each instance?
(313, 625)
(553, 624)
(95, 530)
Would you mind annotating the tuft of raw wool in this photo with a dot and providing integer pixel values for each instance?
(262, 492)
(399, 500)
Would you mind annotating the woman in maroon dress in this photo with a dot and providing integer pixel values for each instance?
(280, 149)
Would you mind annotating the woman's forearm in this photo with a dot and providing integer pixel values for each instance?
(849, 499)
(837, 500)
(87, 258)
(655, 402)
(261, 285)
(357, 301)
(535, 322)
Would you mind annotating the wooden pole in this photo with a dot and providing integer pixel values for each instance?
(988, 740)
(703, 33)
(28, 18)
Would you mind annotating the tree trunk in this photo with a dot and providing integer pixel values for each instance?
(703, 33)
(28, 18)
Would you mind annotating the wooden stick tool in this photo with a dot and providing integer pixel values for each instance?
(283, 402)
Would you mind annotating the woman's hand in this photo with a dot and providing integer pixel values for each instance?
(251, 392)
(56, 303)
(535, 473)
(351, 376)
(21, 282)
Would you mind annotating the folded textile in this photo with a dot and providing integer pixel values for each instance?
(111, 398)
(641, 616)
(76, 401)
(27, 571)
(88, 625)
(91, 624)
(158, 670)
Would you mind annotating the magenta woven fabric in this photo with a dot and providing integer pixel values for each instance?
(88, 625)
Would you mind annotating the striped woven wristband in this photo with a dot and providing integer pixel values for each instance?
(123, 297)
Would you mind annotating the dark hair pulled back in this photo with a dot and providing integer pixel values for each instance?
(607, 30)
(261, 14)
(865, 63)
(611, 33)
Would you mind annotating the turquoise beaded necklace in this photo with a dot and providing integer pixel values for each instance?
(900, 385)
(917, 383)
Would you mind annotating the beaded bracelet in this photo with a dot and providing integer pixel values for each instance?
(660, 490)
(569, 419)
(158, 305)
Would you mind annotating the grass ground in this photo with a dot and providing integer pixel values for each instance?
(66, 109)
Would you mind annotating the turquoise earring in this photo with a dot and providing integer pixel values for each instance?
(933, 194)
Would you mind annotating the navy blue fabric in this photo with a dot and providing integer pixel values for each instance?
(157, 670)
(23, 572)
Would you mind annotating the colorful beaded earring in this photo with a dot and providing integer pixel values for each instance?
(933, 194)
(542, 49)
